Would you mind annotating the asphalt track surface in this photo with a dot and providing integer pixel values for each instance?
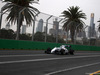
(28, 62)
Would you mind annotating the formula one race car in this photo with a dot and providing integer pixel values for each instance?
(63, 49)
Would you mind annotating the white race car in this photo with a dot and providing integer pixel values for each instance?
(63, 49)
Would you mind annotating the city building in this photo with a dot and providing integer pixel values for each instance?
(91, 28)
(40, 26)
(92, 20)
(23, 29)
(61, 33)
(56, 31)
(55, 24)
(52, 32)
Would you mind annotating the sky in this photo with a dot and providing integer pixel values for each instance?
(56, 7)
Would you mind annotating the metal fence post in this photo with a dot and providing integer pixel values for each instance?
(0, 19)
(47, 28)
(34, 26)
(1, 14)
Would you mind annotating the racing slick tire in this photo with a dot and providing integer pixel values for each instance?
(71, 52)
(56, 52)
(62, 51)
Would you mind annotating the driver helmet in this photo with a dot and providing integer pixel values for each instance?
(68, 46)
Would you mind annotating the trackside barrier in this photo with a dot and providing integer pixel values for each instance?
(30, 45)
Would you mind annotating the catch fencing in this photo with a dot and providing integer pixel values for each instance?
(48, 28)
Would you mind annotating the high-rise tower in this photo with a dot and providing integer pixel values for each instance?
(39, 26)
(23, 29)
(92, 20)
(92, 26)
(55, 24)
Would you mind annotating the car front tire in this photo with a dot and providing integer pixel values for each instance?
(71, 52)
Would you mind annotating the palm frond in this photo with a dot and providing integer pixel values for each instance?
(13, 8)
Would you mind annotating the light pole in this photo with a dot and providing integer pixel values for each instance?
(34, 26)
(47, 28)
(18, 25)
(0, 19)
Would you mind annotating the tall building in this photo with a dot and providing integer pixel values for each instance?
(55, 24)
(61, 33)
(40, 26)
(91, 29)
(92, 20)
(55, 30)
(23, 29)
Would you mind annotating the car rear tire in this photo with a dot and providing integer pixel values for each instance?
(62, 51)
(56, 52)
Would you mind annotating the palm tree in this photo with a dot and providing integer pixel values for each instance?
(27, 12)
(72, 18)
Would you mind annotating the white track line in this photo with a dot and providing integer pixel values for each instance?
(87, 53)
(73, 68)
(38, 55)
(22, 55)
(45, 59)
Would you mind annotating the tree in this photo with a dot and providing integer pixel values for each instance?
(50, 38)
(25, 37)
(14, 7)
(39, 36)
(7, 34)
(72, 18)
